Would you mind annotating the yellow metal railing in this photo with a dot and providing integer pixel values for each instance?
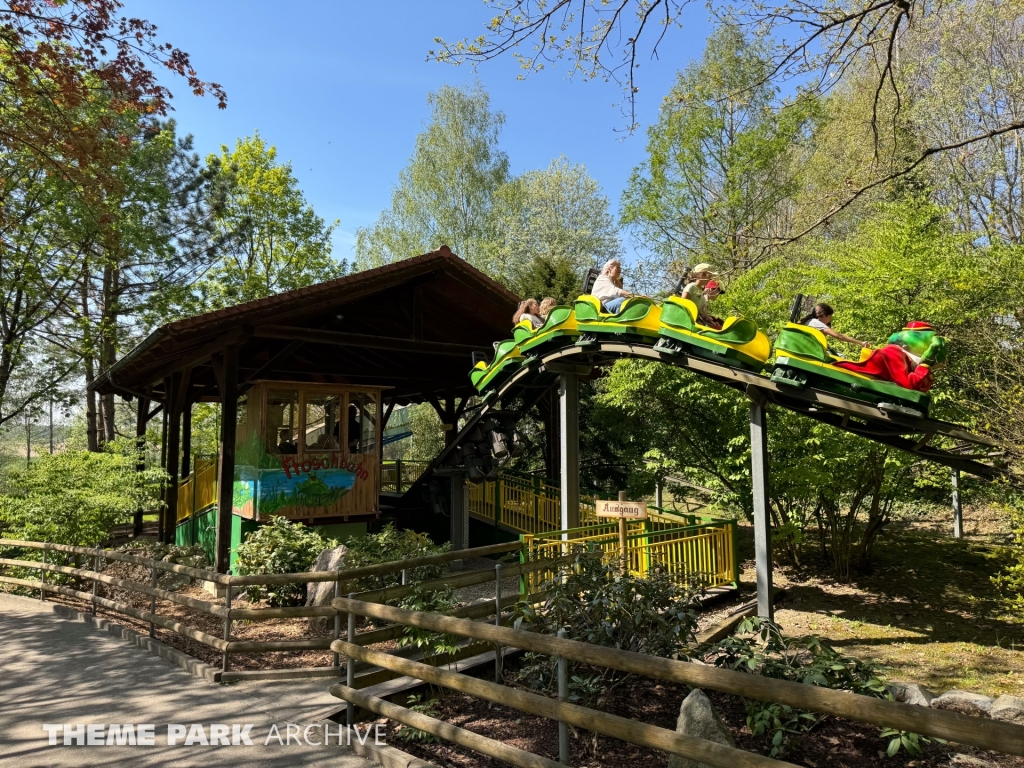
(198, 490)
(533, 506)
(705, 554)
(396, 476)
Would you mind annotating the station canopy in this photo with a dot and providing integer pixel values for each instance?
(410, 327)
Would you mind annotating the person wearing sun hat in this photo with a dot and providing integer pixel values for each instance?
(696, 279)
(908, 359)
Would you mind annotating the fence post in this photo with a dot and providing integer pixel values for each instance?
(623, 552)
(95, 583)
(405, 575)
(152, 601)
(227, 626)
(524, 557)
(497, 620)
(497, 501)
(536, 504)
(350, 672)
(42, 577)
(398, 475)
(563, 695)
(337, 617)
(733, 536)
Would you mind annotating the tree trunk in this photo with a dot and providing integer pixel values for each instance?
(89, 366)
(108, 344)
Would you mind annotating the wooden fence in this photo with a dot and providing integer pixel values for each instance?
(979, 732)
(231, 585)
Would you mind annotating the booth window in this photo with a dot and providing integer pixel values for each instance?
(362, 422)
(323, 422)
(282, 421)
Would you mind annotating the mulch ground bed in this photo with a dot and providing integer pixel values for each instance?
(833, 743)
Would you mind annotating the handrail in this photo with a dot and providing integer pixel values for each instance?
(349, 574)
(109, 554)
(975, 731)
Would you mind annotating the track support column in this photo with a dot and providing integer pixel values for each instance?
(459, 518)
(569, 448)
(958, 510)
(762, 521)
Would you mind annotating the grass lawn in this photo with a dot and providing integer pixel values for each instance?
(927, 612)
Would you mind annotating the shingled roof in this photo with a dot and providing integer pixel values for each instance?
(410, 326)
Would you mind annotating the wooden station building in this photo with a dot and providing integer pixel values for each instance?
(307, 380)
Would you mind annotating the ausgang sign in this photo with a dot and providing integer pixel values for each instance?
(632, 510)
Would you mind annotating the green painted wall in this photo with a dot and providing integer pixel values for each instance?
(202, 530)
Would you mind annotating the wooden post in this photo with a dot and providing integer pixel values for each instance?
(227, 625)
(226, 470)
(350, 665)
(563, 695)
(141, 418)
(569, 449)
(172, 385)
(958, 512)
(95, 583)
(337, 616)
(42, 577)
(164, 420)
(459, 523)
(186, 439)
(152, 601)
(398, 475)
(762, 522)
(623, 552)
(497, 620)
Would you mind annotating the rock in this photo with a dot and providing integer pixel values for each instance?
(911, 693)
(699, 719)
(322, 592)
(1009, 708)
(968, 761)
(964, 702)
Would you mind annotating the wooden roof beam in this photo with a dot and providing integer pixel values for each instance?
(342, 339)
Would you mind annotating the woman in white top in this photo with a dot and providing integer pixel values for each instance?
(608, 287)
(821, 319)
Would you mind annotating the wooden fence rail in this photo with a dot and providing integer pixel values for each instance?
(623, 728)
(975, 731)
(225, 645)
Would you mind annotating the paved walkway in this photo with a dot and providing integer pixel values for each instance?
(56, 671)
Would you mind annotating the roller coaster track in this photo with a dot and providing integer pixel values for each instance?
(888, 426)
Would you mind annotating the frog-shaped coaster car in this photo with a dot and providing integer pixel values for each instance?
(907, 358)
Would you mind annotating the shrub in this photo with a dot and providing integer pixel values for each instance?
(386, 546)
(596, 604)
(281, 546)
(759, 648)
(76, 497)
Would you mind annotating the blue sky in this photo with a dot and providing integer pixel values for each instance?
(340, 89)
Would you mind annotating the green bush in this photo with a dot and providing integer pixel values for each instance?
(758, 647)
(281, 546)
(76, 497)
(596, 604)
(388, 545)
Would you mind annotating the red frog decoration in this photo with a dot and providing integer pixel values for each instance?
(907, 359)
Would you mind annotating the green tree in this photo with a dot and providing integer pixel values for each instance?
(719, 173)
(274, 239)
(445, 193)
(550, 226)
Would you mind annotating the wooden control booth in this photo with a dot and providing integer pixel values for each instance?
(309, 452)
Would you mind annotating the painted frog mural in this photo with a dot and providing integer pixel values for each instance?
(908, 358)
